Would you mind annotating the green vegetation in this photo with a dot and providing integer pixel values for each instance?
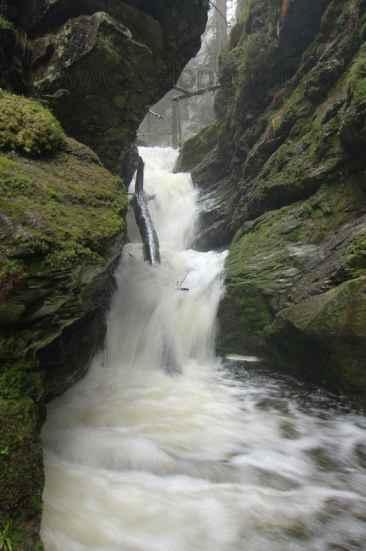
(27, 127)
(68, 210)
(195, 149)
(21, 474)
(265, 260)
(5, 24)
(5, 537)
(60, 220)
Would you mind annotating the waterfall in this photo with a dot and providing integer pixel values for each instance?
(162, 447)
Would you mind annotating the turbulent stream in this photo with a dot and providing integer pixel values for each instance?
(165, 447)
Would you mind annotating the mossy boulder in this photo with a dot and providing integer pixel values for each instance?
(284, 115)
(197, 148)
(62, 227)
(27, 127)
(296, 287)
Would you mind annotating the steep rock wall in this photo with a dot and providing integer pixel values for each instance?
(95, 67)
(285, 175)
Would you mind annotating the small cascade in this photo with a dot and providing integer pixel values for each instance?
(144, 221)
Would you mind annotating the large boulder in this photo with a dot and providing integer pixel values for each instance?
(296, 288)
(104, 63)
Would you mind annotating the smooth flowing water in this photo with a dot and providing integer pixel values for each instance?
(165, 447)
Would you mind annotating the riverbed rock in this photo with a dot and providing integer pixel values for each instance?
(287, 172)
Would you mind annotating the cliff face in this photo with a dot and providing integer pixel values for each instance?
(284, 170)
(94, 68)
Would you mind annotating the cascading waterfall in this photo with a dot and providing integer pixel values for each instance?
(162, 448)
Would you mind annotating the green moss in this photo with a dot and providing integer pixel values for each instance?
(356, 79)
(19, 381)
(19, 535)
(195, 149)
(21, 473)
(6, 536)
(355, 256)
(69, 212)
(339, 311)
(5, 24)
(266, 260)
(28, 127)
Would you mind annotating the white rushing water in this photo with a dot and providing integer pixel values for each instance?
(163, 447)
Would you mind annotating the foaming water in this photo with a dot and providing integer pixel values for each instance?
(162, 447)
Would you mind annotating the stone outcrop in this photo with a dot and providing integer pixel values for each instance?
(105, 63)
(285, 183)
(94, 68)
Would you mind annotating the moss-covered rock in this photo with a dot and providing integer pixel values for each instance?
(281, 107)
(295, 286)
(195, 149)
(62, 226)
(27, 127)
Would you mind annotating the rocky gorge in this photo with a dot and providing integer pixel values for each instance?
(76, 78)
(283, 182)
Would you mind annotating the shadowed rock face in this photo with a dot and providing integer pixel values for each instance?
(99, 65)
(285, 179)
(113, 60)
